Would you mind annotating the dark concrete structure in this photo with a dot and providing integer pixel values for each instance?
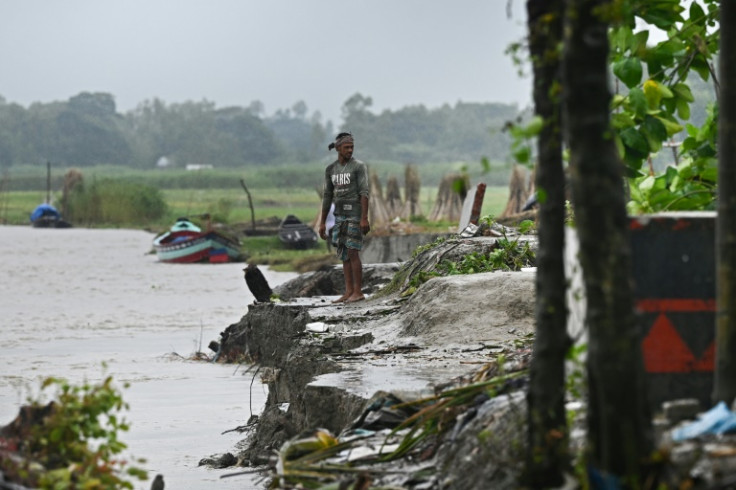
(674, 271)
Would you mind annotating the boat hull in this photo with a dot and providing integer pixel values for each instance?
(293, 233)
(46, 222)
(47, 216)
(187, 247)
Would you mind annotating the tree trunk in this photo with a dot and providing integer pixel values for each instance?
(619, 423)
(547, 453)
(250, 204)
(725, 372)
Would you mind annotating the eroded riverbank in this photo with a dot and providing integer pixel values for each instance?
(325, 364)
(421, 391)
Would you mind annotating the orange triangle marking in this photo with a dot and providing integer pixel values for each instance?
(708, 361)
(664, 350)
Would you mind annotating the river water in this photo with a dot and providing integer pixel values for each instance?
(83, 304)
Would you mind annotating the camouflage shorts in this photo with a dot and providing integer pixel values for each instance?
(346, 234)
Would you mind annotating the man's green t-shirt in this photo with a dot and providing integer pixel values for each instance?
(344, 184)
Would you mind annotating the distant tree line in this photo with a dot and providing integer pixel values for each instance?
(87, 130)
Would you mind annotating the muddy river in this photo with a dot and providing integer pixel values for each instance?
(83, 304)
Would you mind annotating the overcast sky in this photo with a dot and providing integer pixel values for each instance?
(233, 52)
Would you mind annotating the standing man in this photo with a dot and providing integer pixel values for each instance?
(346, 185)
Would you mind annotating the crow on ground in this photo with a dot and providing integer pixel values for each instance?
(257, 284)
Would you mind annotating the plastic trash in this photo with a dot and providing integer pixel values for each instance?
(717, 420)
(470, 231)
(318, 327)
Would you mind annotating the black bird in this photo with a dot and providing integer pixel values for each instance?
(158, 483)
(257, 284)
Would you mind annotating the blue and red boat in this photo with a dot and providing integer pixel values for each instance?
(185, 242)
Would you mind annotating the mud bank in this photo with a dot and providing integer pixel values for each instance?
(325, 364)
(451, 358)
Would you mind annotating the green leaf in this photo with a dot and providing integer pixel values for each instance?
(617, 101)
(534, 126)
(660, 183)
(701, 67)
(697, 15)
(632, 168)
(669, 105)
(652, 94)
(636, 144)
(665, 92)
(638, 44)
(522, 154)
(662, 53)
(662, 13)
(710, 174)
(56, 434)
(541, 195)
(662, 22)
(688, 144)
(633, 208)
(638, 102)
(670, 124)
(619, 144)
(655, 133)
(683, 91)
(647, 184)
(622, 120)
(671, 174)
(622, 37)
(486, 164)
(629, 70)
(683, 109)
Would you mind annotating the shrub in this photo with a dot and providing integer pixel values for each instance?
(74, 442)
(115, 202)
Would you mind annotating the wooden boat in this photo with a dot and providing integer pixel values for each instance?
(295, 234)
(47, 216)
(187, 243)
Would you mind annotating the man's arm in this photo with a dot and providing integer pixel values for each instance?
(364, 192)
(365, 227)
(323, 218)
(327, 191)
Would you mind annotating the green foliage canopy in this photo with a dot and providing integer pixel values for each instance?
(653, 104)
(87, 131)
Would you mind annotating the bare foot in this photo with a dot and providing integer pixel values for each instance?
(354, 298)
(342, 298)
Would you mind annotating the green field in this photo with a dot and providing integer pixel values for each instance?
(230, 206)
(219, 191)
(303, 203)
